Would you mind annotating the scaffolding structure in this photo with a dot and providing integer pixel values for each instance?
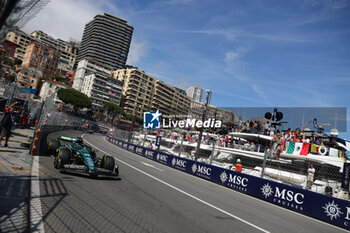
(15, 14)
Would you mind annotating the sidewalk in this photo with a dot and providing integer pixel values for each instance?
(15, 172)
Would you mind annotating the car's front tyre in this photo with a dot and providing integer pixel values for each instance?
(63, 157)
(52, 147)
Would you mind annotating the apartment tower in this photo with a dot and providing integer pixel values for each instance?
(106, 39)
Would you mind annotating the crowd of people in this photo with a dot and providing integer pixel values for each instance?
(12, 118)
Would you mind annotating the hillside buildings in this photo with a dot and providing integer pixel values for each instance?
(39, 55)
(106, 39)
(94, 80)
(195, 93)
(68, 51)
(22, 39)
(142, 92)
(50, 87)
(196, 111)
(28, 77)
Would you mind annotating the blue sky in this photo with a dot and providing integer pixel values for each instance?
(248, 53)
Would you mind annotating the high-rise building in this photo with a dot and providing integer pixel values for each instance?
(95, 81)
(22, 39)
(142, 92)
(106, 39)
(41, 56)
(196, 93)
(68, 51)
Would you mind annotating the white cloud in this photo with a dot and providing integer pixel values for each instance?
(137, 51)
(228, 33)
(231, 57)
(66, 19)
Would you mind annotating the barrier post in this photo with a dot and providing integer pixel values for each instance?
(182, 141)
(212, 151)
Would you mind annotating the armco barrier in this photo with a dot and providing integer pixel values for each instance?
(329, 209)
(45, 131)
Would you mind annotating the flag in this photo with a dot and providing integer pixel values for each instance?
(341, 155)
(305, 149)
(189, 139)
(220, 143)
(314, 148)
(333, 152)
(297, 148)
(290, 149)
(282, 144)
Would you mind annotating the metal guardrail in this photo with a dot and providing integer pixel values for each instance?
(329, 209)
(288, 171)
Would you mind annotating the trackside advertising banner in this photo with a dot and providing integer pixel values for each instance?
(329, 209)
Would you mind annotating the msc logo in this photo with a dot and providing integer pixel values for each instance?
(201, 169)
(162, 157)
(151, 120)
(179, 162)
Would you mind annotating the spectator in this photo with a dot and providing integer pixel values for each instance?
(238, 167)
(310, 176)
(24, 119)
(6, 124)
(318, 141)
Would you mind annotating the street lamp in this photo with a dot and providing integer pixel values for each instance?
(207, 100)
(133, 121)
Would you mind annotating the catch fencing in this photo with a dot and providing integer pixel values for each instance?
(294, 172)
(329, 209)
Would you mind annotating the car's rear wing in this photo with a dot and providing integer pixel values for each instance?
(69, 139)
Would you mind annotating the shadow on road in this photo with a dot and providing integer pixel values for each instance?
(13, 198)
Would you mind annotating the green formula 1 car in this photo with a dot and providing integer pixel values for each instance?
(76, 156)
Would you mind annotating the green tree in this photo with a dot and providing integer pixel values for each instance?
(75, 98)
(112, 109)
(11, 77)
(139, 120)
(59, 78)
(6, 61)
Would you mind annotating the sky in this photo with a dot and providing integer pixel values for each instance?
(248, 53)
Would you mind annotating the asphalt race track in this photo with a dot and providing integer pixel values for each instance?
(150, 197)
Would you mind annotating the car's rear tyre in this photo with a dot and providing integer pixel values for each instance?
(108, 162)
(52, 147)
(63, 157)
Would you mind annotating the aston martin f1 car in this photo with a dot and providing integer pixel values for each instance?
(78, 157)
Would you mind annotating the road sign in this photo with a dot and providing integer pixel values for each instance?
(28, 90)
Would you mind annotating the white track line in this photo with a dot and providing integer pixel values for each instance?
(181, 191)
(268, 203)
(36, 216)
(149, 165)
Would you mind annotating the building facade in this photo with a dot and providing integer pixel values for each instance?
(8, 49)
(195, 93)
(106, 39)
(68, 50)
(28, 77)
(142, 92)
(197, 109)
(41, 56)
(50, 87)
(95, 81)
(22, 39)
